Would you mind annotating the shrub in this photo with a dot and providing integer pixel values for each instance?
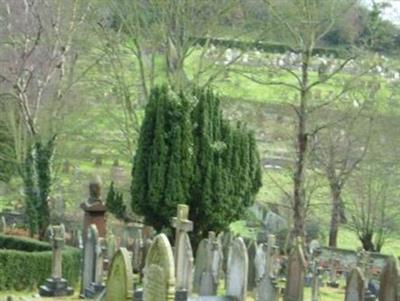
(26, 263)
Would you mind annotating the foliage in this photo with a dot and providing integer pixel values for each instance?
(115, 202)
(7, 168)
(37, 183)
(188, 153)
(25, 263)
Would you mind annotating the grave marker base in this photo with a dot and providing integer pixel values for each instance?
(55, 287)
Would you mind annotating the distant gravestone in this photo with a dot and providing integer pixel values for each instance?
(296, 272)
(238, 266)
(3, 225)
(184, 266)
(120, 277)
(89, 258)
(208, 267)
(111, 245)
(159, 273)
(355, 287)
(265, 271)
(251, 277)
(390, 281)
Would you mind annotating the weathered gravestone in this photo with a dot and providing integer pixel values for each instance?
(251, 278)
(183, 250)
(355, 287)
(89, 259)
(265, 271)
(120, 277)
(390, 281)
(97, 285)
(184, 266)
(56, 285)
(208, 266)
(159, 272)
(3, 225)
(238, 267)
(296, 271)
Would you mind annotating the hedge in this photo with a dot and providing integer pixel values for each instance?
(25, 263)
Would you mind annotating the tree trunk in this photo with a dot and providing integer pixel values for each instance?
(302, 147)
(366, 240)
(335, 214)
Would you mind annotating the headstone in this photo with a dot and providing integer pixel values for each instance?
(111, 245)
(389, 289)
(183, 249)
(208, 266)
(251, 277)
(296, 272)
(355, 287)
(97, 286)
(159, 273)
(315, 269)
(56, 285)
(3, 225)
(265, 271)
(120, 277)
(89, 259)
(238, 266)
(94, 210)
(184, 266)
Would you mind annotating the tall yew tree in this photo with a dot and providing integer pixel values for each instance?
(188, 153)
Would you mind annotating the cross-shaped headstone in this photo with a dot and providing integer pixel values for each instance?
(57, 240)
(182, 224)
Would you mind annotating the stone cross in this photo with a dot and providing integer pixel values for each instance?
(57, 240)
(390, 281)
(182, 225)
(296, 270)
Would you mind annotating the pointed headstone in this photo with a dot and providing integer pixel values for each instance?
(390, 281)
(159, 272)
(238, 266)
(120, 277)
(296, 272)
(355, 287)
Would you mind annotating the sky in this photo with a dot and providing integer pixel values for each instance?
(391, 13)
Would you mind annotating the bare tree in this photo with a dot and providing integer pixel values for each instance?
(38, 59)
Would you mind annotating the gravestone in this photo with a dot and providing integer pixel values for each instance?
(266, 272)
(89, 259)
(251, 277)
(184, 267)
(208, 266)
(3, 225)
(94, 210)
(120, 277)
(97, 285)
(159, 272)
(390, 281)
(315, 282)
(111, 245)
(296, 272)
(56, 285)
(355, 287)
(238, 267)
(183, 249)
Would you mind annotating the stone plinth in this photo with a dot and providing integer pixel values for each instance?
(55, 287)
(94, 213)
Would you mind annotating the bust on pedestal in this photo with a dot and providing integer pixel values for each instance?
(56, 285)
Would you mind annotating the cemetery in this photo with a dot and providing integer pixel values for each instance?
(167, 150)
